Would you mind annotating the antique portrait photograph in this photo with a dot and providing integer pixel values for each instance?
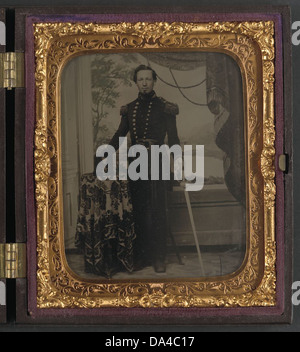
(151, 166)
(155, 164)
(139, 224)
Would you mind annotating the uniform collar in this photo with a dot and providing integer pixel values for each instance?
(147, 97)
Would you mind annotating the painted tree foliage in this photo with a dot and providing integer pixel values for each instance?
(110, 75)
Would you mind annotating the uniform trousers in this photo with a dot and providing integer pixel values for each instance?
(149, 208)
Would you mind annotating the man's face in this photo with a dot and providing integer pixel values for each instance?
(145, 81)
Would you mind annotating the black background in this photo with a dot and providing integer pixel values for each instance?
(194, 330)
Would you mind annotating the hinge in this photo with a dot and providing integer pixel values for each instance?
(283, 162)
(12, 260)
(11, 70)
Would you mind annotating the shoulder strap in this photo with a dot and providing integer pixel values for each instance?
(170, 108)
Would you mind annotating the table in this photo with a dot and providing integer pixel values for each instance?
(105, 231)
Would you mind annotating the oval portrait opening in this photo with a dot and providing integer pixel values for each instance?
(153, 162)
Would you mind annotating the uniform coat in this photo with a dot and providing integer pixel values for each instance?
(149, 120)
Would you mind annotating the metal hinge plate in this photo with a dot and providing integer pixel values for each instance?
(11, 70)
(12, 260)
(283, 162)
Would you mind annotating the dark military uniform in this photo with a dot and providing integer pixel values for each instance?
(149, 119)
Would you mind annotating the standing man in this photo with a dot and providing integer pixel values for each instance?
(149, 119)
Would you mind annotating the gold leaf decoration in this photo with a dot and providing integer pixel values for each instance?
(251, 44)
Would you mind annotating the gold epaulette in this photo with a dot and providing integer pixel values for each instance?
(170, 108)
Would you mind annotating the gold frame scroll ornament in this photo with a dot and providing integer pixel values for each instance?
(251, 44)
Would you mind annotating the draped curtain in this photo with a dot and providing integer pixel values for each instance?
(178, 61)
(225, 100)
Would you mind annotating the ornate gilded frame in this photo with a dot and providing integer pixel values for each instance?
(252, 45)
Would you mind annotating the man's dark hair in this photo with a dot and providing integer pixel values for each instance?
(144, 68)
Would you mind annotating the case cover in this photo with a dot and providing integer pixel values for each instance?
(22, 219)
